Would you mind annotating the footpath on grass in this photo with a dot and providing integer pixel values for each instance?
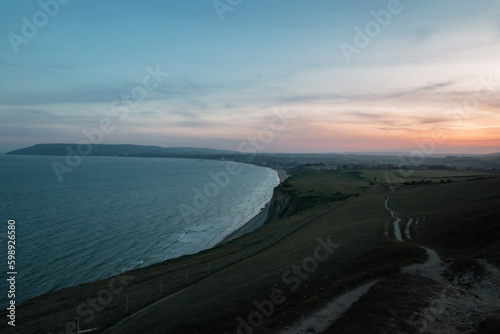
(465, 300)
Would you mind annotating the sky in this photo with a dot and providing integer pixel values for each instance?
(276, 76)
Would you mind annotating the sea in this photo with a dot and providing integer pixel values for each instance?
(113, 214)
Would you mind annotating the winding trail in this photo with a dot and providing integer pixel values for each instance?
(407, 229)
(319, 320)
(456, 309)
(433, 268)
(397, 229)
(458, 304)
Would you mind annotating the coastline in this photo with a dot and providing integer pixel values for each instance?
(249, 266)
(259, 219)
(246, 225)
(253, 224)
(282, 174)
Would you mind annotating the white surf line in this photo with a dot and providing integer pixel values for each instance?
(319, 320)
(386, 229)
(407, 229)
(397, 230)
(116, 326)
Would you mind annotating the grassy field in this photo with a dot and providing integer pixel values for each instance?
(463, 217)
(218, 289)
(388, 306)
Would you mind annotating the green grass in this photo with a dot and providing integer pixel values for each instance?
(388, 306)
(364, 253)
(218, 285)
(463, 218)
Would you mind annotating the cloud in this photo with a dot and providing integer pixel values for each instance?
(422, 33)
(194, 124)
(71, 95)
(431, 120)
(366, 94)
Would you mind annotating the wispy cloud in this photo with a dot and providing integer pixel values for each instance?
(227, 78)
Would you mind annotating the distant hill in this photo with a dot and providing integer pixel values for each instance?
(122, 151)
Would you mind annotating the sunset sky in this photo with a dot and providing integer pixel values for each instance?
(350, 75)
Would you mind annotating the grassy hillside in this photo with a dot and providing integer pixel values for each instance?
(211, 292)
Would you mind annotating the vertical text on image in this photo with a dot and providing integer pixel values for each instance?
(11, 273)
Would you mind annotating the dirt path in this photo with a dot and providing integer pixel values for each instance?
(319, 320)
(460, 310)
(397, 229)
(454, 310)
(407, 229)
(433, 268)
(457, 309)
(393, 213)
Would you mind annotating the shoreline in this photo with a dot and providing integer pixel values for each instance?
(259, 219)
(253, 224)
(282, 174)
(249, 226)
(250, 265)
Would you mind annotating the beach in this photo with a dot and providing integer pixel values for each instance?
(259, 219)
(223, 286)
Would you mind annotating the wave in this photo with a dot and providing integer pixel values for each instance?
(111, 216)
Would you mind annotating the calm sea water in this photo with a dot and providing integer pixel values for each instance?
(114, 214)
